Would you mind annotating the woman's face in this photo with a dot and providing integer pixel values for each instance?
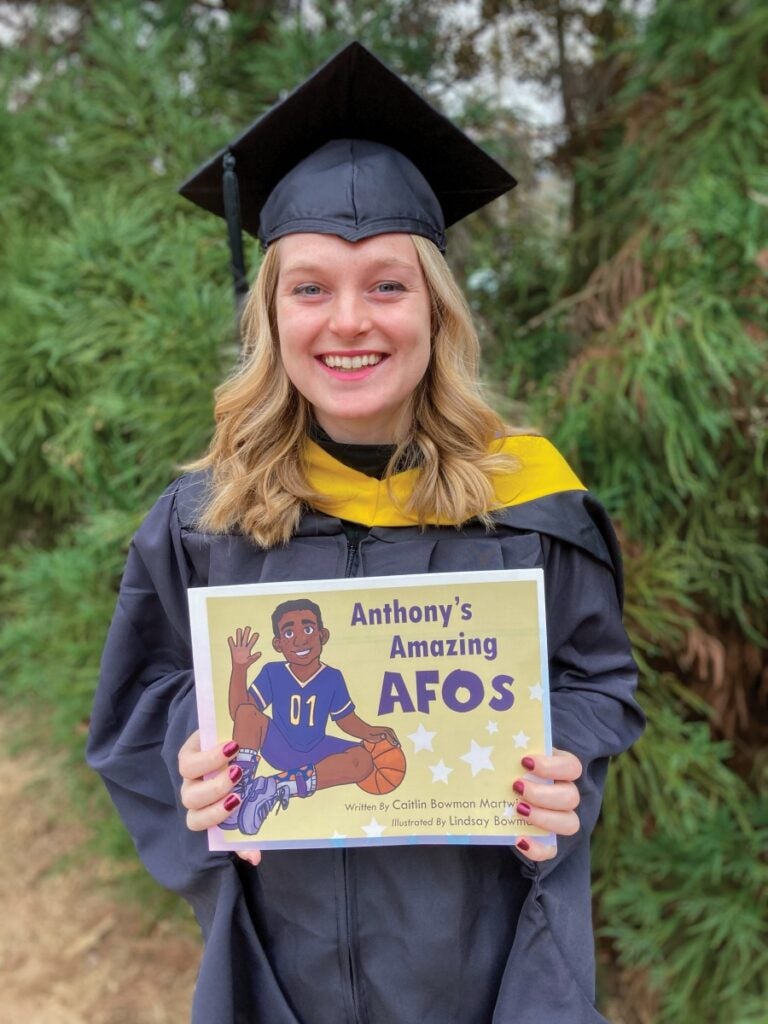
(354, 324)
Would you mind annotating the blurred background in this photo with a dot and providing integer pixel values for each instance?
(621, 292)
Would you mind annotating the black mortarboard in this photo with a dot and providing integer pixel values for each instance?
(353, 152)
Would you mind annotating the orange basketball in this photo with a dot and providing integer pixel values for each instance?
(388, 768)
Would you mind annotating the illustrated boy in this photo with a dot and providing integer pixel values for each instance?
(303, 693)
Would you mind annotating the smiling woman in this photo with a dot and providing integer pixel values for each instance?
(354, 441)
(264, 415)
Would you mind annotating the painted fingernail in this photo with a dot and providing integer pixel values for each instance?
(523, 844)
(518, 786)
(229, 749)
(523, 808)
(235, 772)
(528, 763)
(232, 801)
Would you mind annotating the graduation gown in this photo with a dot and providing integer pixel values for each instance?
(414, 935)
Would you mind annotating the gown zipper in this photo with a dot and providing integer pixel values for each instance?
(354, 991)
(355, 534)
(353, 554)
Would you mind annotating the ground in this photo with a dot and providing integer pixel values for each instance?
(71, 950)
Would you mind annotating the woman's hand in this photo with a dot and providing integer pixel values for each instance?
(209, 801)
(551, 806)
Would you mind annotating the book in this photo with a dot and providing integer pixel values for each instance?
(384, 711)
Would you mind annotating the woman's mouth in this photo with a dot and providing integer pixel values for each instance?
(358, 362)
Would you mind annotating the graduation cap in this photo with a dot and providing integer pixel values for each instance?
(353, 151)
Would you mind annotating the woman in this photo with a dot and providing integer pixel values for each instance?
(354, 441)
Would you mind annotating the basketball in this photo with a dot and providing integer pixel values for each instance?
(388, 768)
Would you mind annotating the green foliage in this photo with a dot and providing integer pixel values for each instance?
(666, 420)
(680, 867)
(662, 407)
(407, 36)
(56, 609)
(513, 272)
(693, 895)
(56, 602)
(682, 892)
(108, 281)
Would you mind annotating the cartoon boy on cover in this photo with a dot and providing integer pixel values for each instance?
(304, 693)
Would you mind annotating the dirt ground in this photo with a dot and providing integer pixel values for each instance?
(70, 952)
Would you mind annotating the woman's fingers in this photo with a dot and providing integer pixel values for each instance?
(550, 805)
(252, 856)
(559, 766)
(562, 823)
(210, 800)
(533, 850)
(194, 762)
(208, 777)
(197, 794)
(557, 796)
(211, 815)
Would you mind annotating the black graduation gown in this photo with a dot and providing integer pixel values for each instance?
(414, 935)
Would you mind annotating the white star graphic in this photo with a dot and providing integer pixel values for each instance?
(508, 812)
(491, 728)
(338, 835)
(440, 771)
(374, 830)
(479, 758)
(521, 740)
(536, 692)
(421, 739)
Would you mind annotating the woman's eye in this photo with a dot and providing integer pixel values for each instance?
(389, 286)
(307, 289)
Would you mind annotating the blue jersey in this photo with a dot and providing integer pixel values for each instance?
(301, 710)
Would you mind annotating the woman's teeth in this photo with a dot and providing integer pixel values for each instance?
(351, 362)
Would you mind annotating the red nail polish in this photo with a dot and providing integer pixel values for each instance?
(518, 786)
(528, 763)
(232, 801)
(235, 772)
(230, 749)
(523, 844)
(523, 808)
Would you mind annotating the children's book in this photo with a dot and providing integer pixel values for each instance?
(381, 711)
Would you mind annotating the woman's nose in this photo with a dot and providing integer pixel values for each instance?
(350, 317)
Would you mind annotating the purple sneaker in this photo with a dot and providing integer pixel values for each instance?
(261, 797)
(240, 789)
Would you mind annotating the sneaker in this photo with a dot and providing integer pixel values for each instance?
(260, 799)
(240, 788)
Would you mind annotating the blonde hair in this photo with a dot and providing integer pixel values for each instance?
(257, 455)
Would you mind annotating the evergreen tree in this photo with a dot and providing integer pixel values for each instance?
(662, 406)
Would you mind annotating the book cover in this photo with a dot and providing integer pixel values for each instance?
(387, 710)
